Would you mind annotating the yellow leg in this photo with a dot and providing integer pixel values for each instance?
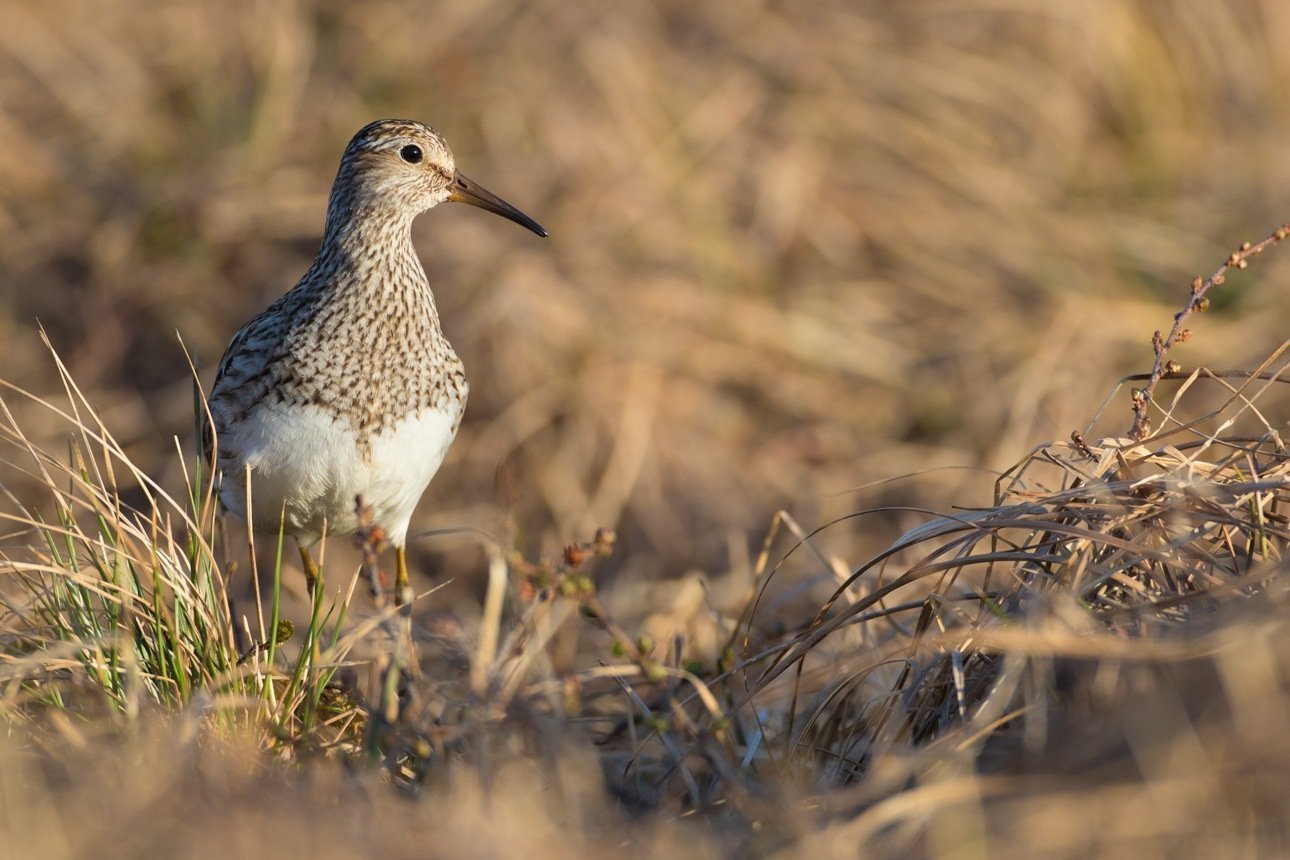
(402, 590)
(313, 576)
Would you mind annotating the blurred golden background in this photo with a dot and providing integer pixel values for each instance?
(797, 249)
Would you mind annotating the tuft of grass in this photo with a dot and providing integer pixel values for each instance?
(114, 602)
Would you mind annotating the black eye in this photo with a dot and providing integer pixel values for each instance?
(411, 153)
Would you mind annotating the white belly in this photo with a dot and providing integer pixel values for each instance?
(306, 468)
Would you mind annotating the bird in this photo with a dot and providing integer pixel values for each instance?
(345, 388)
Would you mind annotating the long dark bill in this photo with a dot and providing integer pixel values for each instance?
(468, 191)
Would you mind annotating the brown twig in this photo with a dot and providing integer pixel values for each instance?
(1198, 301)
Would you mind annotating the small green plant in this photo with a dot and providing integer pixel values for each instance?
(116, 601)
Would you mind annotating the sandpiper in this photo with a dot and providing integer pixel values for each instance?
(345, 386)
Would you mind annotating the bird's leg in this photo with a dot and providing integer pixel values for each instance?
(313, 575)
(402, 590)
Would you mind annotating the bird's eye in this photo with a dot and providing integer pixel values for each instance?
(411, 153)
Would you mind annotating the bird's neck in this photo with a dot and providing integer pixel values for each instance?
(372, 251)
(352, 228)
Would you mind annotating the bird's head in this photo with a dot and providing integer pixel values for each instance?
(403, 167)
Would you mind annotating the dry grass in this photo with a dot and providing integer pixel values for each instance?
(1107, 639)
(797, 253)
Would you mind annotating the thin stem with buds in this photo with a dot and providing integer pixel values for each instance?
(1198, 301)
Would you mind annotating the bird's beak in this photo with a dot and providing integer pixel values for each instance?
(467, 191)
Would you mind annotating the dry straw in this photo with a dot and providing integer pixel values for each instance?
(982, 651)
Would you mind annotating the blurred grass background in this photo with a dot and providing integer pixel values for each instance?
(797, 250)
